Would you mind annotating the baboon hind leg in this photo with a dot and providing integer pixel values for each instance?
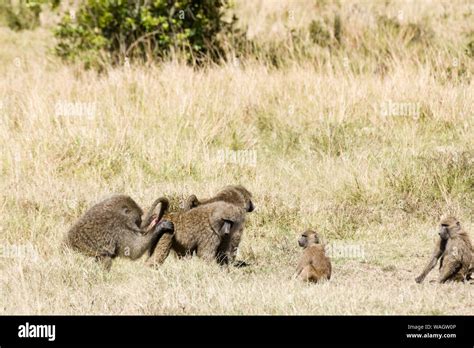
(307, 274)
(208, 250)
(449, 271)
(159, 254)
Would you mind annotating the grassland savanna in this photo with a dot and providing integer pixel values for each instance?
(368, 139)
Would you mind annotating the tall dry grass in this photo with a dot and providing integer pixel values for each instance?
(370, 142)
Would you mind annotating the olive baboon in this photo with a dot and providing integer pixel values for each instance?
(454, 249)
(314, 265)
(233, 194)
(114, 228)
(206, 230)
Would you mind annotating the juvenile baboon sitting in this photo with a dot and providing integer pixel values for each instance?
(454, 249)
(233, 194)
(205, 230)
(314, 265)
(114, 228)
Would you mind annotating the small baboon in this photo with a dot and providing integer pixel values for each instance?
(205, 230)
(454, 249)
(233, 194)
(114, 228)
(314, 265)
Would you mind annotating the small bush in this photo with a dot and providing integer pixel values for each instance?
(319, 33)
(106, 31)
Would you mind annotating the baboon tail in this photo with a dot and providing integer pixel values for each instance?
(149, 216)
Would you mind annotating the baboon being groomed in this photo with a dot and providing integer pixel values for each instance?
(233, 194)
(313, 265)
(205, 230)
(454, 249)
(114, 228)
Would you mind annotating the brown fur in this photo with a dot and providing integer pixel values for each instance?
(113, 228)
(454, 249)
(471, 269)
(204, 230)
(233, 194)
(150, 218)
(313, 265)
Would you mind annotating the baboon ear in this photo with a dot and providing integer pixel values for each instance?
(251, 207)
(458, 224)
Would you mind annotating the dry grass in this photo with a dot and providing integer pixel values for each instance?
(327, 157)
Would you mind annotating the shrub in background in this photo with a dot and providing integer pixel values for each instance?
(111, 31)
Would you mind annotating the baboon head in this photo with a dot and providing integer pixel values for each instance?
(448, 227)
(308, 238)
(128, 208)
(249, 206)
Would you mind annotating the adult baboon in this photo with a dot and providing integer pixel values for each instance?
(114, 228)
(233, 194)
(205, 230)
(454, 249)
(314, 265)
